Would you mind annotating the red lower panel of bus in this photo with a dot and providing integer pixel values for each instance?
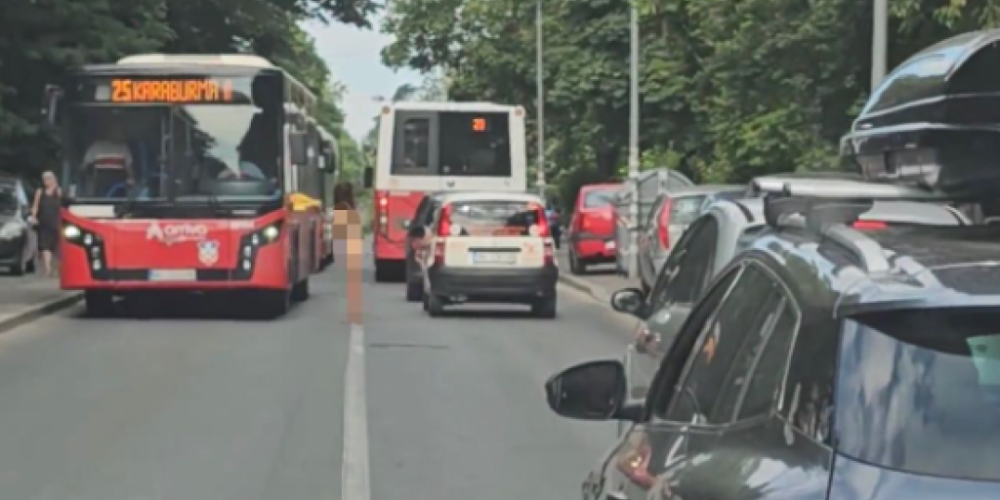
(393, 209)
(122, 254)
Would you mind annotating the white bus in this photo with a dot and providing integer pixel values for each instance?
(426, 147)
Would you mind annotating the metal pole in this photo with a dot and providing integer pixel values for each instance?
(880, 41)
(539, 70)
(633, 149)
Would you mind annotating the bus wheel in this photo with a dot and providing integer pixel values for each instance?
(383, 271)
(99, 303)
(300, 292)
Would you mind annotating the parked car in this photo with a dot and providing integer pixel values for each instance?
(591, 232)
(671, 215)
(489, 248)
(18, 238)
(742, 404)
(417, 227)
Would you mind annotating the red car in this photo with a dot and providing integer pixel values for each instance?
(591, 233)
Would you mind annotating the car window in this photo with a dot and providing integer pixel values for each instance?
(684, 210)
(688, 280)
(597, 198)
(919, 391)
(675, 261)
(719, 342)
(771, 365)
(807, 404)
(754, 339)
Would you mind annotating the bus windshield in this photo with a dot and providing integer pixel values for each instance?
(175, 150)
(452, 144)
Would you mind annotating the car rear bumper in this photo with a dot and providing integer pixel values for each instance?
(595, 248)
(487, 285)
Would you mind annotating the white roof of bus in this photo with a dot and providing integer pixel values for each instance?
(491, 196)
(451, 106)
(247, 60)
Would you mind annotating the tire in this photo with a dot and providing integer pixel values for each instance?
(414, 291)
(275, 304)
(17, 269)
(383, 272)
(433, 305)
(300, 292)
(575, 266)
(545, 309)
(99, 303)
(32, 265)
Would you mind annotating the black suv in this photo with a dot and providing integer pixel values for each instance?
(827, 361)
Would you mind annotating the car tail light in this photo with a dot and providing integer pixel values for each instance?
(439, 253)
(634, 464)
(542, 221)
(444, 223)
(870, 225)
(664, 223)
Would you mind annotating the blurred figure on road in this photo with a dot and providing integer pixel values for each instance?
(45, 215)
(555, 223)
(347, 228)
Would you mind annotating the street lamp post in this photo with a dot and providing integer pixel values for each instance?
(539, 70)
(880, 41)
(633, 147)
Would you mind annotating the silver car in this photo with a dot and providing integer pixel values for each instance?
(669, 218)
(708, 245)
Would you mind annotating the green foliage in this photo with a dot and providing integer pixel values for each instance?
(41, 40)
(730, 89)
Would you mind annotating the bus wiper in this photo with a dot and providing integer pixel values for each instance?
(213, 203)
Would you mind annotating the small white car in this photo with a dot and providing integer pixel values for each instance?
(488, 248)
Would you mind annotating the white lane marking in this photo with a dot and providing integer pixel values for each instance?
(355, 479)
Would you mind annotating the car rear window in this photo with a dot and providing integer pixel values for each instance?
(494, 218)
(684, 210)
(598, 198)
(919, 391)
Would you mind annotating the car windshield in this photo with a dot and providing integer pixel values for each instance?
(493, 218)
(684, 210)
(919, 391)
(8, 199)
(597, 198)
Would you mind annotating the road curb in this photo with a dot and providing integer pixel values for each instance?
(37, 311)
(596, 291)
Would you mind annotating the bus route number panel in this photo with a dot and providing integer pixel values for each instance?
(189, 91)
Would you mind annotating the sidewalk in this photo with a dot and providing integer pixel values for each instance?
(23, 299)
(600, 281)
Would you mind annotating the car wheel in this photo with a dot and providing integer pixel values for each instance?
(575, 266)
(99, 303)
(300, 292)
(382, 274)
(414, 291)
(545, 309)
(31, 265)
(433, 305)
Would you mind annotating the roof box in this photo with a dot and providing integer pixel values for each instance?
(935, 120)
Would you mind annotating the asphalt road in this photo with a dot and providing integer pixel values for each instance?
(191, 408)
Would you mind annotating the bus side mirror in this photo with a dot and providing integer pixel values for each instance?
(50, 107)
(299, 151)
(369, 177)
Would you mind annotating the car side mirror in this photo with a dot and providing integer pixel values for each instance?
(630, 301)
(299, 150)
(369, 177)
(590, 391)
(417, 232)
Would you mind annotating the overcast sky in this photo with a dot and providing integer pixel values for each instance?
(354, 59)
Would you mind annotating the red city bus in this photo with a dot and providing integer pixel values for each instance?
(191, 174)
(426, 147)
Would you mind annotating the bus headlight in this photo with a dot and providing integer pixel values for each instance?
(72, 232)
(270, 233)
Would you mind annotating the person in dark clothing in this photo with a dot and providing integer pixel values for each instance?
(45, 214)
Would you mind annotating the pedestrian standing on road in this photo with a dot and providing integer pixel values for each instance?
(45, 215)
(347, 227)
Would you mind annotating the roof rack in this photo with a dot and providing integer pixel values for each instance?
(827, 206)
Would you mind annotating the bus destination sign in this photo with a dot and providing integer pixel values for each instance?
(202, 90)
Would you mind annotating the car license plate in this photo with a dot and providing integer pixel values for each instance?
(172, 275)
(493, 258)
